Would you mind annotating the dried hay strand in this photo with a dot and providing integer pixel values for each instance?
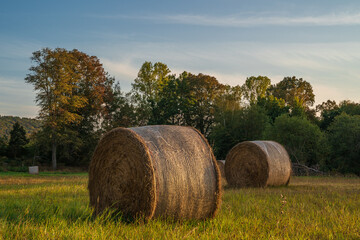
(221, 165)
(155, 171)
(257, 164)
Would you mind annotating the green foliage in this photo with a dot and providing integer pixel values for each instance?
(229, 99)
(167, 110)
(294, 91)
(56, 206)
(162, 98)
(255, 87)
(41, 146)
(17, 142)
(273, 106)
(150, 81)
(226, 104)
(236, 126)
(146, 89)
(3, 146)
(350, 108)
(17, 168)
(297, 109)
(304, 141)
(121, 112)
(330, 110)
(344, 138)
(79, 102)
(198, 97)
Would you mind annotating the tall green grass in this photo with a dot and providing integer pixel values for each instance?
(55, 206)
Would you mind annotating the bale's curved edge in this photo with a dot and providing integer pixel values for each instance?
(187, 186)
(279, 162)
(221, 166)
(112, 175)
(217, 175)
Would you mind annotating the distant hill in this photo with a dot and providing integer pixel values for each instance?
(6, 122)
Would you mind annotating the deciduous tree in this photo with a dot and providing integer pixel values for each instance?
(294, 91)
(255, 87)
(198, 100)
(70, 89)
(120, 110)
(344, 138)
(304, 141)
(273, 106)
(244, 124)
(151, 80)
(328, 111)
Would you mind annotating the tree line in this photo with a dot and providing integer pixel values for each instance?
(6, 124)
(79, 101)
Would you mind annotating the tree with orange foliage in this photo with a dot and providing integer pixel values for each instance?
(70, 88)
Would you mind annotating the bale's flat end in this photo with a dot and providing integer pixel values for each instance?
(246, 166)
(121, 175)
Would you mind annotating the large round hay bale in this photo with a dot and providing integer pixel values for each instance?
(257, 164)
(155, 171)
(221, 165)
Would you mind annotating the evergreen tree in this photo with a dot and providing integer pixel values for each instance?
(17, 141)
(3, 146)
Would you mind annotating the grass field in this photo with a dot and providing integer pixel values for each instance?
(55, 206)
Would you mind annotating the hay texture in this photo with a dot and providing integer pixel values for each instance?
(257, 164)
(155, 171)
(221, 165)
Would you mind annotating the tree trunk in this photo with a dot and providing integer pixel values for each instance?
(54, 155)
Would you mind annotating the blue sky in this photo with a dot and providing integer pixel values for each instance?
(318, 41)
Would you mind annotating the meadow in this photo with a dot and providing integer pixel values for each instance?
(56, 206)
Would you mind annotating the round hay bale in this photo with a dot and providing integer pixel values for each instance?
(155, 171)
(257, 164)
(221, 165)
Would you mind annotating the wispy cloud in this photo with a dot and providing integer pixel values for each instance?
(120, 68)
(123, 71)
(334, 19)
(325, 20)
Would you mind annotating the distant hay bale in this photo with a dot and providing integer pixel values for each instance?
(221, 165)
(34, 170)
(257, 164)
(155, 171)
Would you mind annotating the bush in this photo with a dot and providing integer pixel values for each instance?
(304, 141)
(17, 169)
(344, 138)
